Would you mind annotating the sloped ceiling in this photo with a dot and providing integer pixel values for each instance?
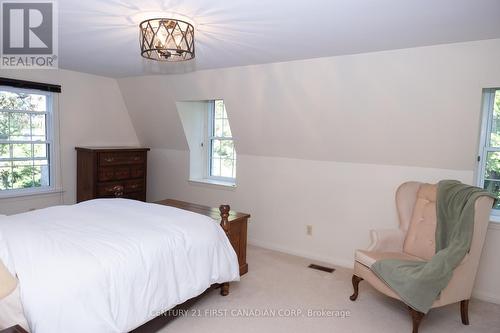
(417, 107)
(101, 36)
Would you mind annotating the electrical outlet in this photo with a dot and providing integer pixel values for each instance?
(309, 230)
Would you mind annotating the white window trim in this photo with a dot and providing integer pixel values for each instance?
(487, 116)
(28, 192)
(224, 181)
(50, 140)
(215, 183)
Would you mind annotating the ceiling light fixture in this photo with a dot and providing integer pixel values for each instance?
(167, 39)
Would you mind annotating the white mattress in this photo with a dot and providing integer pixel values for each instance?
(110, 265)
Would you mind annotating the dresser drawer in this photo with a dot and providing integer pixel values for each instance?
(135, 196)
(137, 171)
(117, 158)
(134, 186)
(114, 189)
(114, 173)
(118, 189)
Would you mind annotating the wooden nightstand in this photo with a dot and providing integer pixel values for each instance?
(14, 329)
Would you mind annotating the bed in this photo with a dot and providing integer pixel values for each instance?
(111, 265)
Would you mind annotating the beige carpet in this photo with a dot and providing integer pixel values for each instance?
(281, 284)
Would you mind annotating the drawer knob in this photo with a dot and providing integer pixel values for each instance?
(109, 159)
(117, 191)
(134, 186)
(136, 158)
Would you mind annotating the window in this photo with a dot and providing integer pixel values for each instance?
(212, 153)
(26, 140)
(489, 151)
(221, 154)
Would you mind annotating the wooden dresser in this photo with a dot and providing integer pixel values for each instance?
(111, 172)
(237, 230)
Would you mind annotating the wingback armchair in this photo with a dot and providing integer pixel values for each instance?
(415, 240)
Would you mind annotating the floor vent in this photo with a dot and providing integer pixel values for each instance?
(321, 268)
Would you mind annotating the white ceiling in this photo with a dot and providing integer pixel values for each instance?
(100, 37)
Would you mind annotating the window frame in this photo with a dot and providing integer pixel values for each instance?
(49, 140)
(209, 138)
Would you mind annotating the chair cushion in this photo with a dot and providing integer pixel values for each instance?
(421, 236)
(368, 258)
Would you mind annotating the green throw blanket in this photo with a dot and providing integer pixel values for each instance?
(419, 283)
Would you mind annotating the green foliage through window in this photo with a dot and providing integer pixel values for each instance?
(24, 146)
(491, 152)
(222, 152)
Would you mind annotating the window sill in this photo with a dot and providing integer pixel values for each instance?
(494, 225)
(494, 222)
(29, 193)
(215, 183)
(495, 218)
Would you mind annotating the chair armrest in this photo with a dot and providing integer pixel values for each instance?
(386, 240)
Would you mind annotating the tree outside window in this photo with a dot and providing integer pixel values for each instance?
(24, 143)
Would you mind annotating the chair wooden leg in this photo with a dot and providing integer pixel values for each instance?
(464, 311)
(355, 284)
(224, 289)
(416, 317)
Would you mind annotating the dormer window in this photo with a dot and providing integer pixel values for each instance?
(212, 152)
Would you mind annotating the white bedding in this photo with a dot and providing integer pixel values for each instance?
(110, 265)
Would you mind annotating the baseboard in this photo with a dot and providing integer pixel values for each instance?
(487, 297)
(327, 260)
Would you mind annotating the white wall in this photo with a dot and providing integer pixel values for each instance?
(91, 112)
(327, 141)
(415, 107)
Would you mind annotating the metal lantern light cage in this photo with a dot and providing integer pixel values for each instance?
(165, 39)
